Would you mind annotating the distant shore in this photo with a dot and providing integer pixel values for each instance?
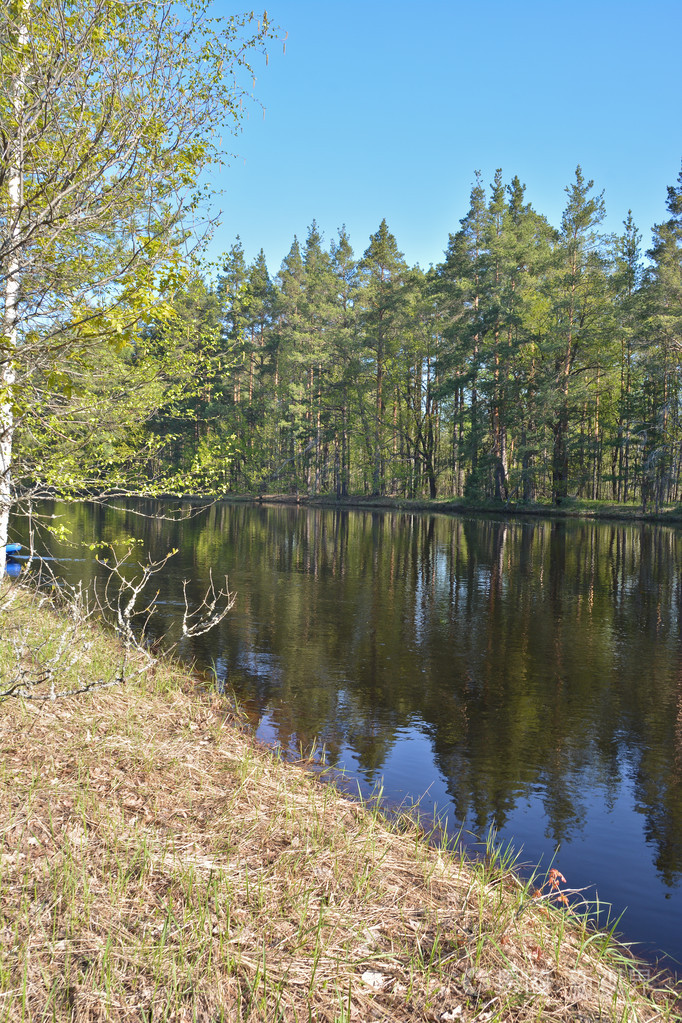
(573, 508)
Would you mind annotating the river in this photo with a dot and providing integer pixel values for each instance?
(524, 675)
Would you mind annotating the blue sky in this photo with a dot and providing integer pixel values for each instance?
(386, 109)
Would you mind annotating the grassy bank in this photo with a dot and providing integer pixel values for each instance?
(158, 864)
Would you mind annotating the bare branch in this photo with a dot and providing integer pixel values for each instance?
(213, 608)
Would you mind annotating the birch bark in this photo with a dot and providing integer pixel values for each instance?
(12, 274)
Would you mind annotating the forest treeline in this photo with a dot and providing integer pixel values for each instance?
(533, 363)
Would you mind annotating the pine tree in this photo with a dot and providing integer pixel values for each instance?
(577, 268)
(462, 281)
(288, 331)
(626, 284)
(345, 357)
(663, 294)
(260, 312)
(499, 270)
(383, 306)
(527, 252)
(315, 353)
(419, 432)
(232, 293)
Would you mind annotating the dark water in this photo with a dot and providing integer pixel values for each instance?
(525, 675)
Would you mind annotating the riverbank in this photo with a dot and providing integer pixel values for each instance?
(157, 863)
(573, 508)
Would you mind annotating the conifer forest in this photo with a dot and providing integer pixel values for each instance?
(535, 362)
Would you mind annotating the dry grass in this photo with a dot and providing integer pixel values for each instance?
(157, 864)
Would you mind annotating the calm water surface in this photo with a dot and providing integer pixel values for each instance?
(524, 675)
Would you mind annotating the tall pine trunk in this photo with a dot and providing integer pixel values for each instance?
(377, 481)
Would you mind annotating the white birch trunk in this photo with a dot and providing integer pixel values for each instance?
(11, 297)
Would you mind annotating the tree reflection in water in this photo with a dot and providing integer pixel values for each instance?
(541, 660)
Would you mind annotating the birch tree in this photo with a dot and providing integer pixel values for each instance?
(110, 111)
